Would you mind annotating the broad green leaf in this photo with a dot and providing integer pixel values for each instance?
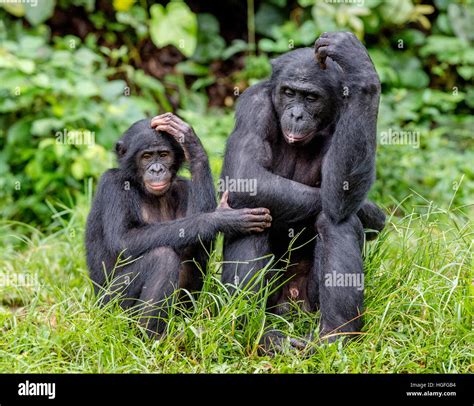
(39, 12)
(192, 68)
(267, 17)
(87, 89)
(467, 72)
(174, 25)
(113, 89)
(414, 78)
(308, 33)
(46, 126)
(77, 169)
(19, 132)
(397, 12)
(18, 10)
(237, 46)
(26, 66)
(462, 20)
(210, 45)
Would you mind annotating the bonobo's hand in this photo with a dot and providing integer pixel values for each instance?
(242, 221)
(181, 131)
(348, 52)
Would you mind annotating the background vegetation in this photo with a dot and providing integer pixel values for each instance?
(95, 67)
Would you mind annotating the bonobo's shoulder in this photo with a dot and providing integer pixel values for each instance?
(104, 193)
(254, 101)
(256, 93)
(110, 174)
(109, 177)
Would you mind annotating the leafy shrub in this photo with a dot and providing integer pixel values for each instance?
(55, 85)
(46, 92)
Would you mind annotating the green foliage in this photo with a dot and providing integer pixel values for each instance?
(450, 51)
(268, 18)
(256, 69)
(439, 169)
(136, 18)
(47, 91)
(174, 24)
(210, 44)
(423, 55)
(34, 12)
(289, 36)
(64, 101)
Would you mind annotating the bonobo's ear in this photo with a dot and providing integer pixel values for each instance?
(277, 65)
(120, 149)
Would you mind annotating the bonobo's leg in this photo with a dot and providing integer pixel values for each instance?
(314, 276)
(162, 268)
(242, 262)
(147, 285)
(124, 283)
(243, 258)
(338, 261)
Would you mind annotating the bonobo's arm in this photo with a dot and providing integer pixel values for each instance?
(349, 165)
(202, 196)
(248, 154)
(123, 230)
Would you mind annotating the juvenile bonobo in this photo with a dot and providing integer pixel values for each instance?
(307, 138)
(162, 222)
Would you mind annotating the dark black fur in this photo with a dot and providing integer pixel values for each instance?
(165, 232)
(302, 135)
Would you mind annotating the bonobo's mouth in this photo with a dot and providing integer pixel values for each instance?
(157, 186)
(293, 138)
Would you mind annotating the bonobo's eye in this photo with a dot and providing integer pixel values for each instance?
(164, 154)
(147, 155)
(311, 98)
(289, 92)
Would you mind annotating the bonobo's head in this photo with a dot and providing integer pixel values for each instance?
(305, 97)
(149, 158)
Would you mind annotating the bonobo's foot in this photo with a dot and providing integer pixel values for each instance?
(274, 342)
(332, 338)
(156, 336)
(329, 336)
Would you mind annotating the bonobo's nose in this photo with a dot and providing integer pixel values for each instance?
(156, 169)
(296, 115)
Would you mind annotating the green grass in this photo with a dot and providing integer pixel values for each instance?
(418, 310)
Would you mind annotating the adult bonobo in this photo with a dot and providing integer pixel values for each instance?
(163, 223)
(307, 137)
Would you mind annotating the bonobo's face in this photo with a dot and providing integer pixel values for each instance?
(304, 96)
(150, 158)
(155, 165)
(303, 110)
